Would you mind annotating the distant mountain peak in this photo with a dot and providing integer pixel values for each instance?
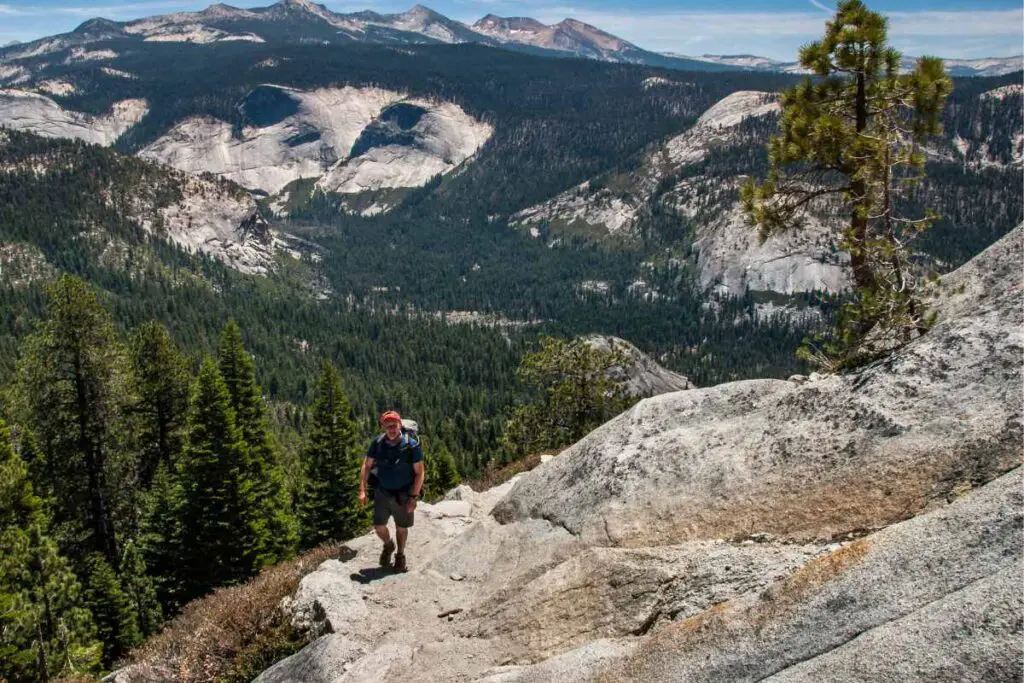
(301, 4)
(493, 22)
(569, 35)
(569, 21)
(991, 66)
(97, 25)
(423, 13)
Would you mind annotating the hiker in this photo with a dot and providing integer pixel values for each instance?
(397, 460)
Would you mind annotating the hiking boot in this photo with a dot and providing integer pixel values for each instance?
(385, 554)
(400, 562)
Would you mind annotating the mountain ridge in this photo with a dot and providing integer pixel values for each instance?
(221, 23)
(420, 24)
(982, 66)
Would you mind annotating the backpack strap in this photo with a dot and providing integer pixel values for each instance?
(407, 444)
(375, 446)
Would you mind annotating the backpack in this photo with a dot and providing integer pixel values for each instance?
(409, 439)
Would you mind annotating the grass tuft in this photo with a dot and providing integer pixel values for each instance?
(232, 634)
(495, 475)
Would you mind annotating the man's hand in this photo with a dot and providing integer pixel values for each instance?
(410, 504)
(362, 496)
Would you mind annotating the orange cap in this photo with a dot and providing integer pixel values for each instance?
(389, 416)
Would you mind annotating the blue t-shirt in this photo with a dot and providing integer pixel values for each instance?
(394, 462)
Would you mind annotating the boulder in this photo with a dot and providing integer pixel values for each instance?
(641, 376)
(806, 461)
(953, 574)
(324, 661)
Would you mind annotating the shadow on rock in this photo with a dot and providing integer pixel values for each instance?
(370, 574)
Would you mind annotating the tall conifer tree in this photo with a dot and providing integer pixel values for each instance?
(116, 620)
(163, 544)
(162, 382)
(330, 507)
(44, 630)
(71, 390)
(140, 589)
(263, 458)
(221, 523)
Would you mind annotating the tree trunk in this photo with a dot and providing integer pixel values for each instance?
(862, 275)
(44, 675)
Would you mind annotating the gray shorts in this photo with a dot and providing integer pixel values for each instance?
(387, 504)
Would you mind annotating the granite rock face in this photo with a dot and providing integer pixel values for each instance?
(295, 134)
(859, 528)
(641, 375)
(812, 460)
(730, 257)
(24, 110)
(883, 597)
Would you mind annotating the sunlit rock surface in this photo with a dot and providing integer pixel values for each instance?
(294, 134)
(864, 527)
(38, 113)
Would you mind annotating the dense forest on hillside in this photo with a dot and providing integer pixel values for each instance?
(457, 380)
(133, 483)
(556, 122)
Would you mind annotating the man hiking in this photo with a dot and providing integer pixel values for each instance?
(398, 461)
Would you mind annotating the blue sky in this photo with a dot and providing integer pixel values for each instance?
(948, 28)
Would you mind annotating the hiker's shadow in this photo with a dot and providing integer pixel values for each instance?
(370, 574)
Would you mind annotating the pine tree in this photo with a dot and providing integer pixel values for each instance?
(329, 505)
(162, 537)
(857, 133)
(263, 458)
(442, 474)
(116, 619)
(222, 527)
(162, 382)
(576, 394)
(44, 630)
(140, 589)
(71, 390)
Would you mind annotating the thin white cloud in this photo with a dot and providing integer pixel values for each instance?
(129, 9)
(822, 6)
(92, 10)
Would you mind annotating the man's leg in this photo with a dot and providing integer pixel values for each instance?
(401, 533)
(381, 514)
(403, 521)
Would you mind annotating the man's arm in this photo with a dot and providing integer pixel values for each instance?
(364, 474)
(417, 484)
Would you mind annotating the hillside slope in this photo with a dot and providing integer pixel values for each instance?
(869, 524)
